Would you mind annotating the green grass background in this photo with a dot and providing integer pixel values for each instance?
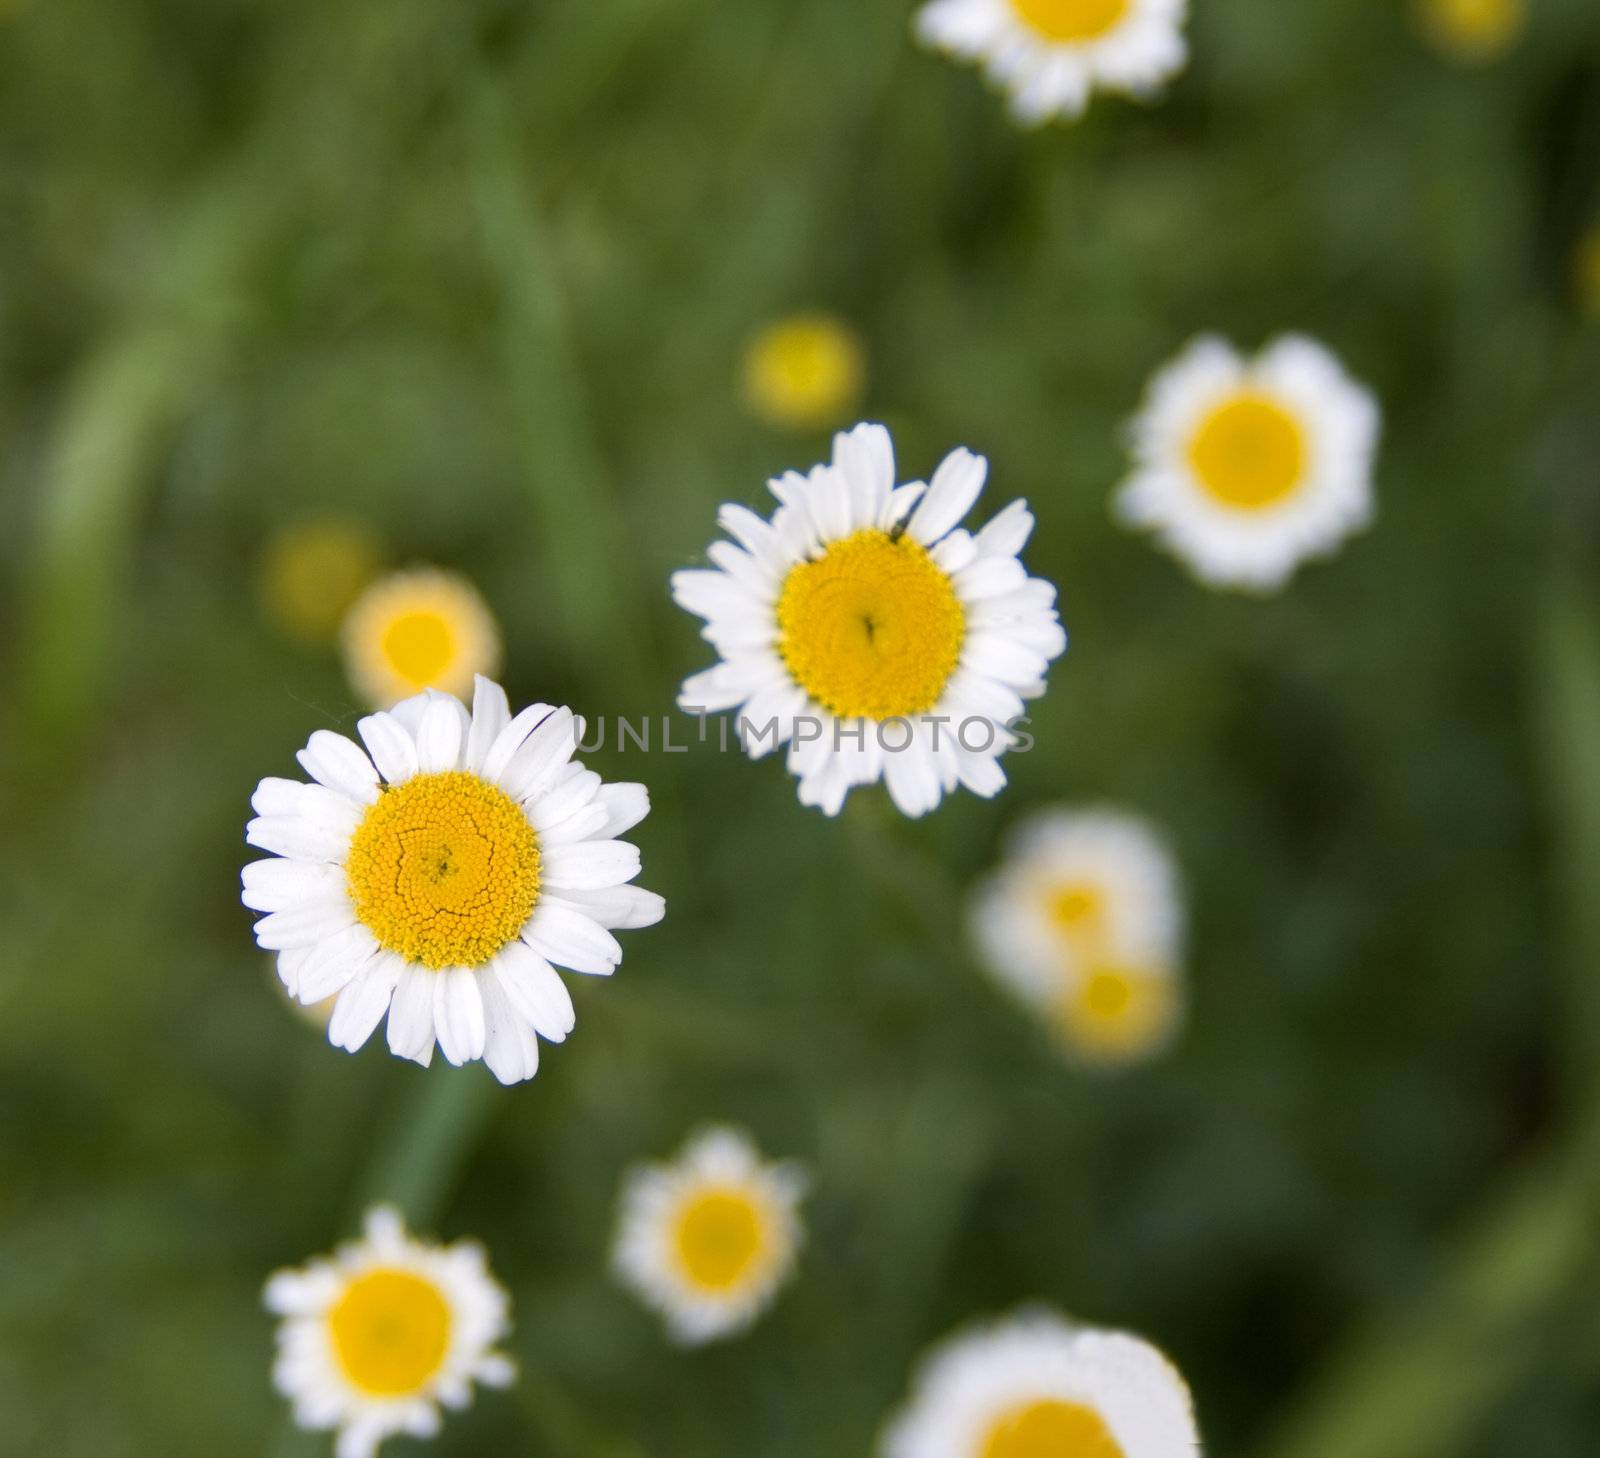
(481, 272)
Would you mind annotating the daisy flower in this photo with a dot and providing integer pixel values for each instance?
(804, 372)
(415, 630)
(1082, 924)
(1473, 32)
(1244, 468)
(1036, 1386)
(311, 573)
(865, 629)
(708, 1239)
(436, 877)
(377, 1336)
(1050, 54)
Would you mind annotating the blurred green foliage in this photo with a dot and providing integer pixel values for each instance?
(480, 272)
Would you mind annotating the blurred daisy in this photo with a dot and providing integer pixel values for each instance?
(1246, 467)
(311, 573)
(708, 1240)
(1082, 924)
(1586, 268)
(437, 880)
(805, 372)
(1473, 31)
(1050, 54)
(862, 627)
(376, 1337)
(417, 630)
(1036, 1386)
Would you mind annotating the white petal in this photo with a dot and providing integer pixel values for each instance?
(439, 735)
(332, 963)
(490, 714)
(570, 939)
(619, 908)
(332, 760)
(536, 991)
(278, 884)
(626, 805)
(364, 1001)
(293, 836)
(590, 864)
(541, 754)
(458, 1014)
(392, 748)
(510, 1048)
(510, 740)
(951, 494)
(305, 924)
(411, 1015)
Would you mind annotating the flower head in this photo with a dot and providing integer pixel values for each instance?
(310, 574)
(1049, 55)
(1474, 32)
(1246, 467)
(415, 630)
(708, 1239)
(865, 629)
(1036, 1386)
(376, 1337)
(804, 372)
(437, 876)
(1082, 924)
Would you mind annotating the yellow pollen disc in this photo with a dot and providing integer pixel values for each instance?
(310, 574)
(1474, 30)
(871, 629)
(1077, 909)
(1051, 1429)
(719, 1236)
(419, 646)
(1249, 452)
(1071, 20)
(1115, 1012)
(444, 869)
(804, 372)
(390, 1331)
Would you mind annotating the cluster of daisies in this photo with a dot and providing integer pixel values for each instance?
(438, 872)
(380, 1336)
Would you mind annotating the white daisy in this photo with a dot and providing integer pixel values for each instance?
(1050, 54)
(1244, 468)
(708, 1239)
(438, 879)
(1036, 1386)
(415, 630)
(862, 627)
(1082, 924)
(377, 1336)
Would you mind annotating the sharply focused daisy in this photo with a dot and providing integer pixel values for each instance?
(708, 1239)
(1246, 467)
(436, 877)
(415, 630)
(804, 372)
(312, 571)
(1050, 54)
(1473, 31)
(865, 629)
(1036, 1386)
(1082, 924)
(377, 1336)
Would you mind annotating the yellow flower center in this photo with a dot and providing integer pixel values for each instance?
(1051, 1429)
(1115, 1012)
(312, 572)
(1071, 20)
(1077, 908)
(1249, 452)
(872, 628)
(444, 869)
(804, 372)
(720, 1235)
(390, 1331)
(419, 646)
(1475, 30)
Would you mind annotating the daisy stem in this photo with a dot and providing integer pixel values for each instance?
(430, 1143)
